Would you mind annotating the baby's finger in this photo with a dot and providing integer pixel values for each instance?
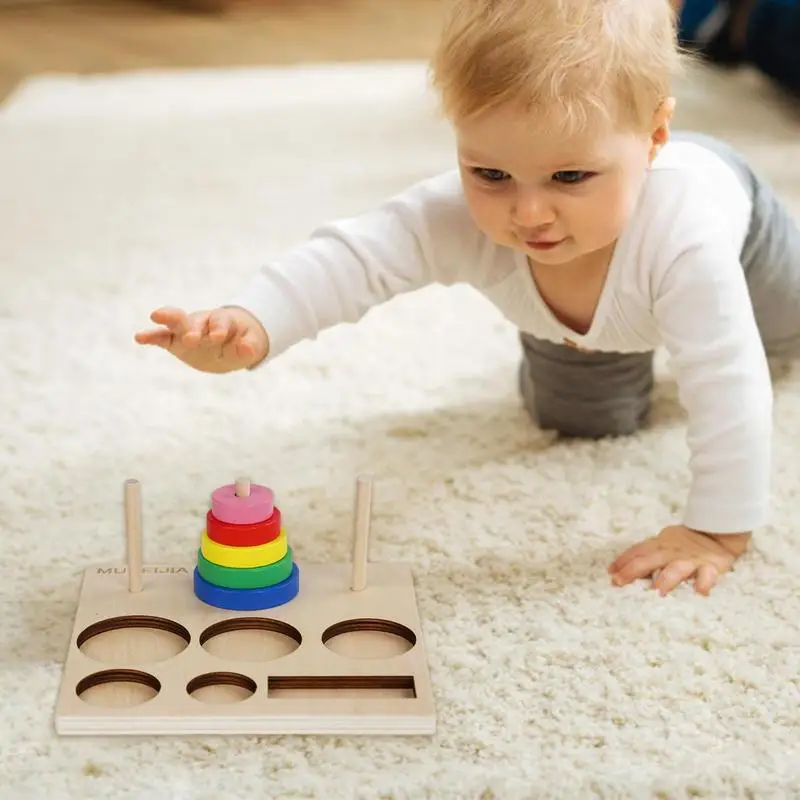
(174, 318)
(706, 579)
(624, 558)
(247, 345)
(160, 337)
(673, 575)
(641, 566)
(221, 326)
(196, 329)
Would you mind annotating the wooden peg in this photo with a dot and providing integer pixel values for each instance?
(133, 533)
(361, 530)
(243, 487)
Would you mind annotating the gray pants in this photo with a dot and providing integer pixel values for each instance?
(594, 395)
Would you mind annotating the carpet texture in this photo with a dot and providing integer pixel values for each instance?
(124, 193)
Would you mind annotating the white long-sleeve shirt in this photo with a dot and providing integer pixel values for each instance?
(675, 281)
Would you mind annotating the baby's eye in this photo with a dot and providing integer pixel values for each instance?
(490, 175)
(571, 176)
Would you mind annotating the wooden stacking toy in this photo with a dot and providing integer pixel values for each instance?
(244, 562)
(188, 648)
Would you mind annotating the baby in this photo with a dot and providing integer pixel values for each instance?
(592, 229)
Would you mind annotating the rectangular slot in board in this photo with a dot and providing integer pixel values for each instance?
(333, 686)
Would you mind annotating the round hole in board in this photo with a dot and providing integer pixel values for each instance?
(250, 639)
(369, 638)
(133, 640)
(221, 687)
(118, 688)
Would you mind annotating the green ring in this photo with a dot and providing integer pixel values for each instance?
(246, 577)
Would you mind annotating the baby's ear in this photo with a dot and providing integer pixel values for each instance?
(661, 120)
(663, 117)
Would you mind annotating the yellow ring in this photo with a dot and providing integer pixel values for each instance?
(243, 557)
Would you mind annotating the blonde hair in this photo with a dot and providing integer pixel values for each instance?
(567, 60)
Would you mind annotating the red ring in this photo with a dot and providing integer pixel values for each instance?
(250, 535)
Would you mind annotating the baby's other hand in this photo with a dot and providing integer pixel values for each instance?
(217, 340)
(678, 554)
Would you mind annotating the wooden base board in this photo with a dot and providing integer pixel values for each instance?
(331, 661)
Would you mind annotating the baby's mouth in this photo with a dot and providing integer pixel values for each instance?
(543, 244)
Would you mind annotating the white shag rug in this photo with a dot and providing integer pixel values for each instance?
(120, 194)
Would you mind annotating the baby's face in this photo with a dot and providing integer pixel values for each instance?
(554, 199)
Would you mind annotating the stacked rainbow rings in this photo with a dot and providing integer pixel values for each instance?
(244, 562)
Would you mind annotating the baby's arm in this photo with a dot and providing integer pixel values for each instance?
(418, 237)
(421, 236)
(702, 306)
(708, 326)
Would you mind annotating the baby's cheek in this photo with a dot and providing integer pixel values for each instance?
(608, 217)
(623, 201)
(487, 213)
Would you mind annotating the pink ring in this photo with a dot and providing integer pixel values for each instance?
(257, 507)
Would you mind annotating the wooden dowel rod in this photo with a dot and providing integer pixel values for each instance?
(133, 533)
(243, 487)
(361, 530)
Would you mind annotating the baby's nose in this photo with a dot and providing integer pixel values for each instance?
(533, 211)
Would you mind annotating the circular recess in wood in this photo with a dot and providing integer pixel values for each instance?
(118, 688)
(369, 638)
(250, 639)
(221, 687)
(134, 639)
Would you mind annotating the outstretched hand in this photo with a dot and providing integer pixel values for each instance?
(218, 340)
(679, 554)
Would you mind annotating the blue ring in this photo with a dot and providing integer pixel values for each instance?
(247, 599)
